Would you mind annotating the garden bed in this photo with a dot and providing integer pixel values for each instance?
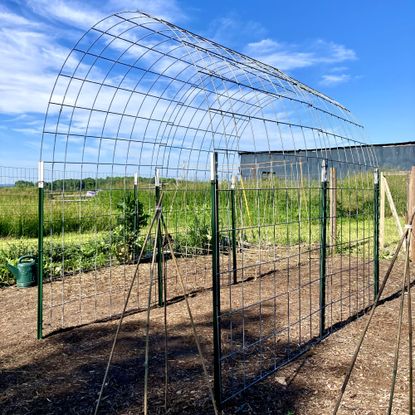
(63, 372)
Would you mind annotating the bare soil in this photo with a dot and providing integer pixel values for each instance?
(275, 300)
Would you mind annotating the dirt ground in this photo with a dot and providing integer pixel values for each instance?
(62, 373)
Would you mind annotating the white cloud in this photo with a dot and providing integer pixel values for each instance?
(70, 12)
(331, 52)
(80, 14)
(33, 49)
(165, 9)
(26, 76)
(278, 55)
(232, 29)
(338, 69)
(286, 57)
(334, 79)
(6, 17)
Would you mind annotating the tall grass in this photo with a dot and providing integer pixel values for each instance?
(277, 201)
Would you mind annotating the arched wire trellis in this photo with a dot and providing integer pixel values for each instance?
(138, 94)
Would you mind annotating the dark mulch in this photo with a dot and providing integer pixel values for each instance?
(62, 373)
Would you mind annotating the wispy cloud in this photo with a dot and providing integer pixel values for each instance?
(35, 41)
(337, 69)
(167, 9)
(287, 57)
(232, 29)
(80, 14)
(334, 79)
(30, 57)
(76, 14)
(33, 47)
(8, 18)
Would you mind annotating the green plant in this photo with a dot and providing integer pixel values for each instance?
(58, 259)
(196, 241)
(124, 238)
(9, 254)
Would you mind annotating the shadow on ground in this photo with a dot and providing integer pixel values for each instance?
(62, 374)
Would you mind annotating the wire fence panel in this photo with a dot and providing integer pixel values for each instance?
(94, 231)
(92, 242)
(271, 311)
(18, 238)
(18, 202)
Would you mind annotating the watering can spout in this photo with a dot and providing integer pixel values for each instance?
(13, 269)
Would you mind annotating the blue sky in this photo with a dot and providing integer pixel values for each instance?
(361, 53)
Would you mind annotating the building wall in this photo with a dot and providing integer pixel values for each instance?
(395, 157)
(346, 160)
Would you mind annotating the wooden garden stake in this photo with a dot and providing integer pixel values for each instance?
(333, 208)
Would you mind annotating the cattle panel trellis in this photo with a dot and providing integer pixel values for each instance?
(136, 113)
(283, 283)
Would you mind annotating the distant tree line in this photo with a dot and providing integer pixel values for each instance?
(89, 183)
(23, 183)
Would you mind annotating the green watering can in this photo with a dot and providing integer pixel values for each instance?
(25, 272)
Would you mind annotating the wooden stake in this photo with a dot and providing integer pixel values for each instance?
(333, 208)
(382, 212)
(372, 312)
(411, 206)
(392, 207)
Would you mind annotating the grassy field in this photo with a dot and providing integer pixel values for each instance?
(278, 200)
(83, 233)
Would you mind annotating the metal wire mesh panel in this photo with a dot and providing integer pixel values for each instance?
(91, 246)
(134, 116)
(18, 232)
(271, 258)
(18, 202)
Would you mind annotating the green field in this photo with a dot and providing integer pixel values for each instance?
(86, 232)
(277, 201)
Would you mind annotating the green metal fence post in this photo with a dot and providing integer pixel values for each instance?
(233, 220)
(41, 197)
(135, 219)
(159, 242)
(323, 246)
(376, 234)
(217, 373)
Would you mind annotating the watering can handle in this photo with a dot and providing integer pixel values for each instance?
(25, 257)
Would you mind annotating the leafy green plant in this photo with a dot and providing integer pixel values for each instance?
(197, 239)
(10, 254)
(58, 259)
(125, 237)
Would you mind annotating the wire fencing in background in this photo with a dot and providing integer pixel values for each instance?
(18, 217)
(18, 202)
